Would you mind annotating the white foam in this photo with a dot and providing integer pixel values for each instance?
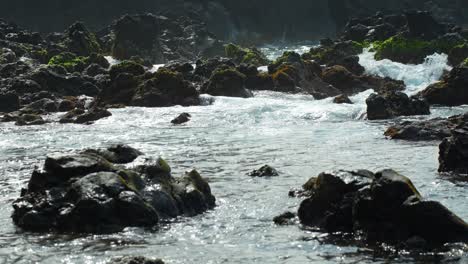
(416, 77)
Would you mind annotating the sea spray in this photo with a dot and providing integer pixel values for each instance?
(416, 77)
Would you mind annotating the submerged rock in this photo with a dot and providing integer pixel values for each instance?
(182, 118)
(381, 207)
(87, 192)
(393, 104)
(453, 151)
(135, 260)
(265, 171)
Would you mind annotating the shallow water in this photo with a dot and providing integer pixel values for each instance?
(296, 134)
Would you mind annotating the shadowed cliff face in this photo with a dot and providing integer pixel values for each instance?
(241, 20)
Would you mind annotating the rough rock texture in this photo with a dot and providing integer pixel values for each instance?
(135, 260)
(451, 91)
(80, 116)
(453, 151)
(380, 207)
(264, 171)
(182, 118)
(433, 129)
(86, 192)
(393, 104)
(227, 82)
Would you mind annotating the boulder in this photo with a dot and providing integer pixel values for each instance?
(227, 82)
(137, 35)
(251, 56)
(9, 102)
(384, 207)
(453, 151)
(81, 41)
(165, 88)
(87, 192)
(28, 120)
(119, 154)
(433, 129)
(393, 104)
(342, 99)
(80, 116)
(451, 91)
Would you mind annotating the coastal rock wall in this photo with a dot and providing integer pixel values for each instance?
(242, 20)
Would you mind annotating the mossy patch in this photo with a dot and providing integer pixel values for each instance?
(465, 62)
(245, 55)
(69, 61)
(410, 50)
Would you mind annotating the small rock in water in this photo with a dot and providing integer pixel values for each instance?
(181, 119)
(135, 260)
(265, 171)
(342, 99)
(286, 218)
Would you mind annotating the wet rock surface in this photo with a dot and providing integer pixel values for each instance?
(393, 104)
(264, 171)
(89, 192)
(384, 207)
(432, 129)
(451, 91)
(453, 151)
(181, 119)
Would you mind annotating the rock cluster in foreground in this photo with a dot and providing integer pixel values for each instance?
(382, 207)
(95, 192)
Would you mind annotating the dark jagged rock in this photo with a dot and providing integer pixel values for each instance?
(81, 41)
(182, 118)
(227, 82)
(81, 116)
(119, 154)
(159, 39)
(265, 171)
(205, 68)
(342, 99)
(251, 56)
(137, 36)
(339, 53)
(451, 91)
(130, 85)
(350, 84)
(135, 260)
(52, 80)
(453, 151)
(433, 129)
(9, 102)
(28, 120)
(285, 219)
(393, 104)
(384, 207)
(165, 88)
(85, 192)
